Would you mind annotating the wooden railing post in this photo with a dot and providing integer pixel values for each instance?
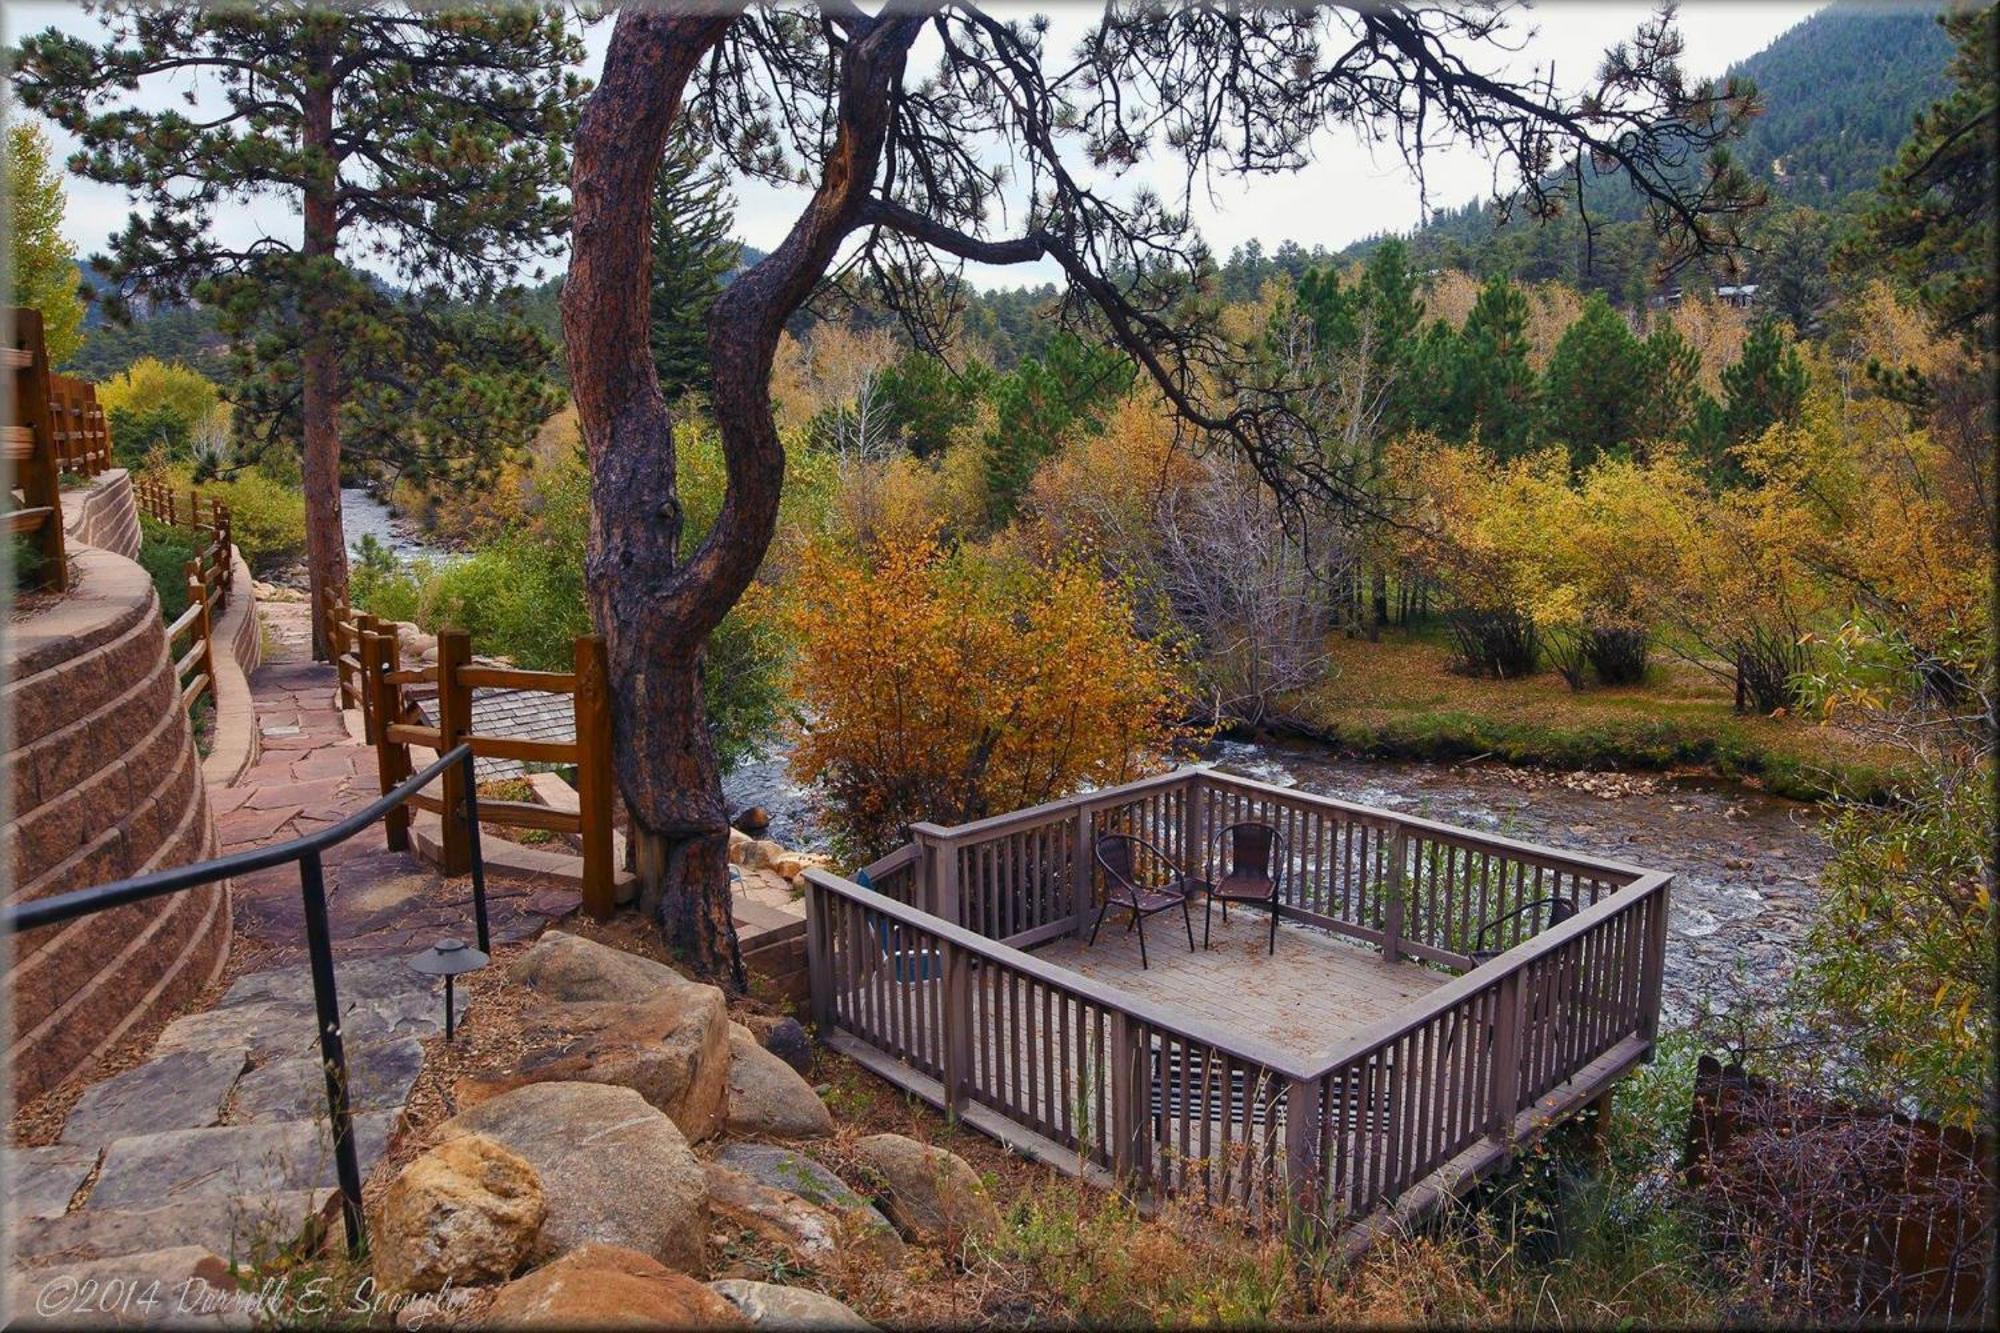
(1130, 1100)
(593, 772)
(941, 875)
(1392, 910)
(819, 956)
(1084, 873)
(957, 1026)
(38, 474)
(1302, 1151)
(1656, 966)
(365, 625)
(454, 699)
(392, 758)
(1194, 806)
(1509, 1018)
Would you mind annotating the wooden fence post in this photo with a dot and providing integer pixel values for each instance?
(454, 699)
(37, 473)
(1508, 1021)
(593, 772)
(1194, 808)
(819, 956)
(957, 1026)
(364, 685)
(1655, 965)
(392, 758)
(1302, 1149)
(1084, 875)
(1126, 1113)
(1392, 911)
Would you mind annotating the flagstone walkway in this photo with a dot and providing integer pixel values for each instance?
(310, 775)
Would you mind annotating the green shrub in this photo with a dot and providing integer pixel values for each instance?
(164, 551)
(267, 518)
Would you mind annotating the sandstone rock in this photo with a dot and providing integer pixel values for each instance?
(604, 1286)
(568, 967)
(788, 1172)
(767, 1305)
(933, 1196)
(739, 845)
(767, 1098)
(614, 1170)
(467, 1211)
(670, 1046)
(792, 865)
(760, 854)
(808, 1231)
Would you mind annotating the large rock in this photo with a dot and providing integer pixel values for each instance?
(810, 1232)
(785, 1038)
(604, 1286)
(788, 1172)
(767, 1305)
(614, 1170)
(670, 1046)
(933, 1196)
(467, 1211)
(767, 1099)
(570, 968)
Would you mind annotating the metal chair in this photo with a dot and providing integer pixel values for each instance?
(1122, 888)
(1253, 859)
(1560, 910)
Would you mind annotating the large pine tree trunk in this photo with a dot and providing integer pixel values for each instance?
(326, 539)
(655, 608)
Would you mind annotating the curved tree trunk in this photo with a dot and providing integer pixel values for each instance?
(655, 609)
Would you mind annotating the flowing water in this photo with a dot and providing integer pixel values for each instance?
(362, 515)
(1746, 867)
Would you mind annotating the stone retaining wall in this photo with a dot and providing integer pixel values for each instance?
(105, 782)
(239, 647)
(104, 514)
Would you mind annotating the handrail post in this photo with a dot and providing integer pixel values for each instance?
(454, 721)
(365, 652)
(1392, 910)
(1656, 966)
(1508, 1019)
(819, 956)
(593, 773)
(1129, 1093)
(477, 861)
(333, 1053)
(392, 758)
(1194, 810)
(941, 875)
(957, 1052)
(1084, 873)
(1302, 1153)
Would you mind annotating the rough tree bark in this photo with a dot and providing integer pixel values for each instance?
(654, 608)
(326, 546)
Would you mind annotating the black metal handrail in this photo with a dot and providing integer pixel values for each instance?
(319, 942)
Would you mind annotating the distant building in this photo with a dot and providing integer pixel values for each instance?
(1742, 297)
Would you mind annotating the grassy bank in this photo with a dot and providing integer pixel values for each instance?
(1398, 699)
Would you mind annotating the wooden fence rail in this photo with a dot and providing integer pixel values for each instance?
(82, 438)
(373, 680)
(194, 669)
(31, 444)
(208, 520)
(925, 979)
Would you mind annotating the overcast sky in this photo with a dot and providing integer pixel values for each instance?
(1347, 192)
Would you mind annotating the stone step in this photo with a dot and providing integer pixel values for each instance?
(42, 1181)
(379, 1078)
(185, 1088)
(152, 1170)
(182, 1287)
(239, 1228)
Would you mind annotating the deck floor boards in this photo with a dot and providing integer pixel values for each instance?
(1315, 991)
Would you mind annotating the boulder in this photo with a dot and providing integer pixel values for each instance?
(739, 846)
(933, 1196)
(605, 1286)
(467, 1211)
(788, 1172)
(808, 1231)
(570, 968)
(791, 865)
(768, 1305)
(753, 820)
(786, 1038)
(767, 1098)
(670, 1046)
(760, 854)
(614, 1170)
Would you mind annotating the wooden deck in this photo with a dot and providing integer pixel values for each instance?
(1315, 991)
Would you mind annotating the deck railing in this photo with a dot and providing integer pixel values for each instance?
(927, 977)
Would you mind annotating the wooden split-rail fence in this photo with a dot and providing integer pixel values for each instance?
(373, 680)
(210, 578)
(926, 979)
(53, 426)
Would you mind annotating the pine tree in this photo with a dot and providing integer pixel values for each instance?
(1493, 378)
(692, 254)
(1590, 394)
(45, 276)
(1666, 394)
(427, 141)
(927, 402)
(1039, 404)
(1765, 387)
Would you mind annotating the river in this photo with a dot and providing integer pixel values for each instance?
(362, 515)
(1746, 866)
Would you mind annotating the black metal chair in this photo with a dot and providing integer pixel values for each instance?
(1123, 888)
(1252, 861)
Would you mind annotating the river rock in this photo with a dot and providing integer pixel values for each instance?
(767, 1098)
(933, 1196)
(670, 1046)
(615, 1171)
(752, 820)
(768, 1305)
(569, 968)
(606, 1286)
(467, 1211)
